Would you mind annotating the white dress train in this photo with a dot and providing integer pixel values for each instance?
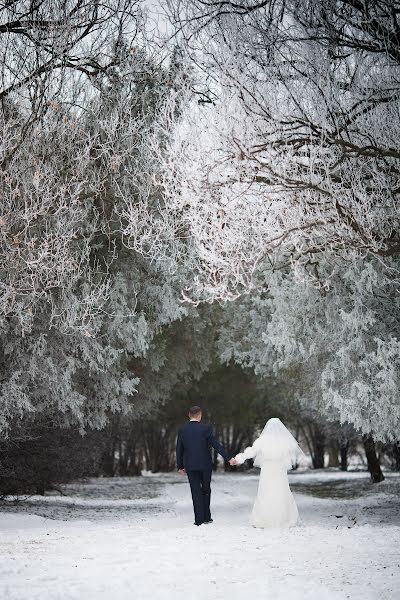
(274, 505)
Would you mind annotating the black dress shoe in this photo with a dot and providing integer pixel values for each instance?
(209, 521)
(198, 524)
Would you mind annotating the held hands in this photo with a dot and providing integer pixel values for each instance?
(182, 471)
(233, 462)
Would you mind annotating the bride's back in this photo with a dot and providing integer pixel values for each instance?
(268, 450)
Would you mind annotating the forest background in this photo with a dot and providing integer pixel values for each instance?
(204, 212)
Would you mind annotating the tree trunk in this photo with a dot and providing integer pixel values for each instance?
(41, 489)
(344, 450)
(318, 457)
(373, 462)
(108, 462)
(333, 453)
(396, 456)
(122, 459)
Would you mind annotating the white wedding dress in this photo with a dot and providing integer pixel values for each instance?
(275, 451)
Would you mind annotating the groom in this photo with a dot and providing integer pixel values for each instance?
(193, 457)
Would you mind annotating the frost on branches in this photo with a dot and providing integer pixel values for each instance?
(259, 163)
(77, 306)
(339, 347)
(284, 180)
(296, 155)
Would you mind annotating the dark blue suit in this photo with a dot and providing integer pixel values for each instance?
(193, 453)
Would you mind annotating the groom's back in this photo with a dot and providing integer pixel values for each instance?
(195, 438)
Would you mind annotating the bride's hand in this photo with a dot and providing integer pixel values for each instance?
(233, 462)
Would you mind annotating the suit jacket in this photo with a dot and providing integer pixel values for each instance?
(193, 447)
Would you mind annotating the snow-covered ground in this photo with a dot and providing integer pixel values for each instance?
(121, 539)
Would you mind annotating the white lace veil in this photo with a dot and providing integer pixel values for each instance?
(276, 435)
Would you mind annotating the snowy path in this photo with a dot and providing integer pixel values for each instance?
(143, 545)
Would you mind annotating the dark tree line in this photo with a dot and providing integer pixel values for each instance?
(41, 455)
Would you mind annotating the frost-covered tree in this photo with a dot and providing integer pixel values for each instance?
(52, 57)
(129, 182)
(78, 306)
(287, 183)
(342, 343)
(297, 154)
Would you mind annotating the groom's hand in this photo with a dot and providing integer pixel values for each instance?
(181, 471)
(233, 462)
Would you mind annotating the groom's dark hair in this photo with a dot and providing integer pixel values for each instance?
(194, 411)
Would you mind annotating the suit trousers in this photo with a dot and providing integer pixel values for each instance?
(200, 486)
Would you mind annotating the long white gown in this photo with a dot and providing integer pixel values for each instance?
(274, 505)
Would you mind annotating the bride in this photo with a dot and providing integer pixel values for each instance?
(275, 451)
